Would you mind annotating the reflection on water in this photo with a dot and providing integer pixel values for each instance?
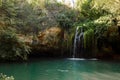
(81, 59)
(62, 69)
(100, 76)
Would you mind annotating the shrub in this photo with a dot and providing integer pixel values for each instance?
(66, 19)
(11, 48)
(5, 77)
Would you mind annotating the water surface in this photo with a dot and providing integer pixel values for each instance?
(62, 69)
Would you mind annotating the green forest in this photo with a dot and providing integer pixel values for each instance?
(30, 28)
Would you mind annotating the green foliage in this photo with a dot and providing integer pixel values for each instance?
(63, 20)
(31, 16)
(11, 48)
(7, 12)
(21, 15)
(95, 30)
(94, 20)
(89, 39)
(66, 19)
(89, 12)
(5, 77)
(0, 2)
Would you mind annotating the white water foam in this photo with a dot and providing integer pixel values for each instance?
(81, 59)
(76, 59)
(61, 70)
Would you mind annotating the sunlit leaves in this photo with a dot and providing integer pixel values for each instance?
(0, 3)
(5, 77)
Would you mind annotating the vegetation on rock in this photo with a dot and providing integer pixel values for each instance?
(35, 19)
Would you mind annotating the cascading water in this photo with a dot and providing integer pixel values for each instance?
(78, 43)
(75, 41)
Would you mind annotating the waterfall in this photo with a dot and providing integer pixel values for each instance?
(75, 41)
(78, 43)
